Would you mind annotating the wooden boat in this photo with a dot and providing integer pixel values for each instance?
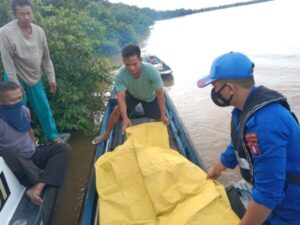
(163, 68)
(179, 140)
(16, 208)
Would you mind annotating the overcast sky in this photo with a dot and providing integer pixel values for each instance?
(176, 4)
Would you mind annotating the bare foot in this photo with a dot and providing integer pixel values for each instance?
(34, 193)
(57, 140)
(99, 139)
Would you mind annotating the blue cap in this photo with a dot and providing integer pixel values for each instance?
(232, 65)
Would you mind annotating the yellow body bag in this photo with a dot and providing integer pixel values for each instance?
(145, 182)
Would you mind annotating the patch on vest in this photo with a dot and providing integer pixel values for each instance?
(252, 143)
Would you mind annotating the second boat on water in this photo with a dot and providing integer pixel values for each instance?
(163, 68)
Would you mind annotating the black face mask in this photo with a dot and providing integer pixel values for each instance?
(218, 99)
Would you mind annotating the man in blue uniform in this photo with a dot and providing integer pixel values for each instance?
(264, 143)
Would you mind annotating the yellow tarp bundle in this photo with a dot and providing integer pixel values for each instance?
(145, 182)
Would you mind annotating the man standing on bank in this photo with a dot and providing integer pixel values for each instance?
(264, 141)
(24, 52)
(35, 167)
(136, 82)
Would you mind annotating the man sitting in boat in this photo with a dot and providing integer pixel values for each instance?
(136, 82)
(35, 167)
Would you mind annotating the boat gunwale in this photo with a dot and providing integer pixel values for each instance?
(88, 209)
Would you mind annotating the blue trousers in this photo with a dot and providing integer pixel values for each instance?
(38, 100)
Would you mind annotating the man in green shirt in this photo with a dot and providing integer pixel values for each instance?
(136, 82)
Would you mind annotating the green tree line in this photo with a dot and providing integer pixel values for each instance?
(81, 35)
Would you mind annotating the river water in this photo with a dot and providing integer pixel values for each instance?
(266, 32)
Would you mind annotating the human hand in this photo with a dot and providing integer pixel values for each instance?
(164, 119)
(53, 87)
(215, 171)
(126, 123)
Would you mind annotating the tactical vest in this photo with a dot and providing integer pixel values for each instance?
(260, 98)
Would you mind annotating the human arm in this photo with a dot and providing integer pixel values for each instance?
(123, 109)
(162, 105)
(30, 131)
(7, 57)
(215, 171)
(157, 86)
(269, 169)
(227, 160)
(256, 214)
(121, 87)
(47, 64)
(267, 143)
(31, 134)
(53, 87)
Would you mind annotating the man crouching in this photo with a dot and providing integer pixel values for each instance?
(35, 167)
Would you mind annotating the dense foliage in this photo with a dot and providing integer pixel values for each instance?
(81, 35)
(79, 69)
(82, 73)
(123, 24)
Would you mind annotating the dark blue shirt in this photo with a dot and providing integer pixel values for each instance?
(277, 153)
